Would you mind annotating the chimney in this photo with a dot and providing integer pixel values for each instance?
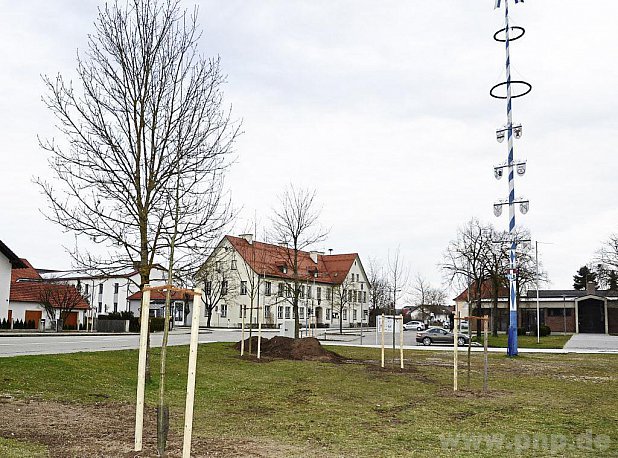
(247, 237)
(591, 288)
(314, 256)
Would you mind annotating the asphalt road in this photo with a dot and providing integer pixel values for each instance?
(50, 343)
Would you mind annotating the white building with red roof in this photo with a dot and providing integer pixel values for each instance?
(28, 291)
(242, 273)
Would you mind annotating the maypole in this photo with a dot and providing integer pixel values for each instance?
(511, 165)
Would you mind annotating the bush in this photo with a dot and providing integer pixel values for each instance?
(521, 331)
(544, 330)
(156, 324)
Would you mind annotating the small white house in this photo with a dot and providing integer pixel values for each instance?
(28, 292)
(109, 292)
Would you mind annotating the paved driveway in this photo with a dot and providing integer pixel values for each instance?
(598, 342)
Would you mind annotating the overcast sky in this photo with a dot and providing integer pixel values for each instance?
(383, 107)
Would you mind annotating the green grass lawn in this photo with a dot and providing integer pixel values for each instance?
(352, 409)
(556, 341)
(10, 448)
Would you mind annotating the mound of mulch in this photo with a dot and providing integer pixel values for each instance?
(307, 348)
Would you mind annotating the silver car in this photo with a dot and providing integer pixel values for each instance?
(414, 326)
(440, 336)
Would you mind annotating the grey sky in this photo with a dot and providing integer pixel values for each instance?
(383, 107)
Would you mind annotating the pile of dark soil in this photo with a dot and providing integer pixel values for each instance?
(307, 348)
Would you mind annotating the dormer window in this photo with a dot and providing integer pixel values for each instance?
(284, 269)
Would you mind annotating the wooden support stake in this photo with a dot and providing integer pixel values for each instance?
(382, 333)
(401, 341)
(243, 312)
(470, 345)
(195, 333)
(141, 369)
(455, 351)
(259, 343)
(485, 363)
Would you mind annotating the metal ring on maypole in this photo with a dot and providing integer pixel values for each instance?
(513, 83)
(521, 31)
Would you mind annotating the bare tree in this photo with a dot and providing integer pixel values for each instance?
(59, 296)
(295, 225)
(379, 291)
(342, 298)
(148, 113)
(427, 297)
(220, 283)
(398, 276)
(420, 294)
(465, 260)
(252, 257)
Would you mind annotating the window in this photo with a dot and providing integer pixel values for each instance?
(223, 310)
(87, 288)
(115, 307)
(223, 287)
(208, 287)
(344, 314)
(100, 288)
(329, 292)
(233, 264)
(280, 312)
(349, 296)
(218, 266)
(328, 314)
(365, 314)
(319, 293)
(280, 289)
(308, 292)
(302, 291)
(365, 297)
(240, 307)
(362, 286)
(267, 287)
(243, 288)
(266, 311)
(289, 290)
(100, 307)
(357, 277)
(558, 312)
(287, 313)
(116, 286)
(301, 313)
(354, 315)
(354, 295)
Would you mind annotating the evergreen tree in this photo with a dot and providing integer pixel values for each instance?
(584, 275)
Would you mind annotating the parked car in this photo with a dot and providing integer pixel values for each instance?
(464, 326)
(440, 336)
(414, 326)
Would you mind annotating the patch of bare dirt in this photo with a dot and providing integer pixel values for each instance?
(106, 430)
(307, 348)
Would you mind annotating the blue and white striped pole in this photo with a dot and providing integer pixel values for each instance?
(512, 332)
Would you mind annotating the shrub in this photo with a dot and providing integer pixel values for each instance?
(544, 330)
(521, 331)
(3, 325)
(156, 324)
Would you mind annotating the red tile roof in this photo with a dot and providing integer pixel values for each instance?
(157, 296)
(267, 258)
(28, 286)
(486, 292)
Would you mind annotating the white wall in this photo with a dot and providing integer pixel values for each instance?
(19, 312)
(104, 302)
(237, 301)
(5, 285)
